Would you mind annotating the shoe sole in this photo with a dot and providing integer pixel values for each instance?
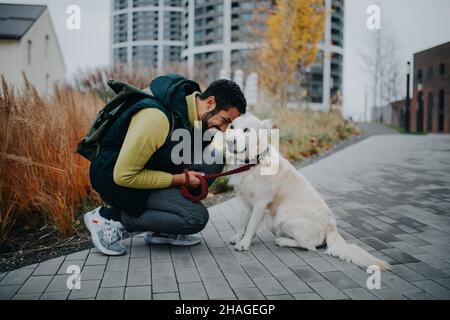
(176, 243)
(96, 240)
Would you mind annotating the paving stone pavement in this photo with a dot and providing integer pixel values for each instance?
(389, 194)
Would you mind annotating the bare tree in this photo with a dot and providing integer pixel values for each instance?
(381, 62)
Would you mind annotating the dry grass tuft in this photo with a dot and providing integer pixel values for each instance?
(305, 133)
(39, 170)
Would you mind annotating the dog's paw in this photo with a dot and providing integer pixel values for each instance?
(243, 245)
(278, 242)
(236, 238)
(285, 242)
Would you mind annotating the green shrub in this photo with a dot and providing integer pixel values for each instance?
(221, 185)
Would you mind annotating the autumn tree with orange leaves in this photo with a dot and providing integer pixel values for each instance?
(288, 45)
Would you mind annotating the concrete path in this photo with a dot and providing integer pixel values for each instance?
(389, 193)
(373, 128)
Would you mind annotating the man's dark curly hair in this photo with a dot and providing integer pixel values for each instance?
(228, 94)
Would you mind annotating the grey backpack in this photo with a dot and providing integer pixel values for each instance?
(126, 96)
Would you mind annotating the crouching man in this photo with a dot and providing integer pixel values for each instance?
(134, 171)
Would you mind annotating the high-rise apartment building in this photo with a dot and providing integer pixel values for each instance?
(323, 82)
(147, 32)
(217, 35)
(210, 36)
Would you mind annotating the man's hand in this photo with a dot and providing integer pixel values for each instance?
(179, 180)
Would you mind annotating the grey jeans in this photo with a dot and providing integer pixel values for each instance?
(167, 211)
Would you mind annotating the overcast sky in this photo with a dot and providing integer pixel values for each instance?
(415, 24)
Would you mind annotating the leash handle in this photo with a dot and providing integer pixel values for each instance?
(185, 192)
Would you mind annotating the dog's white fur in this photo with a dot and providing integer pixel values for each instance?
(301, 217)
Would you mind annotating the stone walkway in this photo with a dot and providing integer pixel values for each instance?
(389, 193)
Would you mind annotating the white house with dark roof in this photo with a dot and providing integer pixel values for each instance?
(28, 43)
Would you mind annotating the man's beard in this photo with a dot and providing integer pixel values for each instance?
(205, 127)
(205, 121)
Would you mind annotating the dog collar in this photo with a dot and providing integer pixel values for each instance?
(259, 157)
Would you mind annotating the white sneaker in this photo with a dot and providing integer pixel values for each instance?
(173, 239)
(106, 234)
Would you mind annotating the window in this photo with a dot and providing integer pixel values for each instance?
(120, 28)
(247, 5)
(145, 55)
(145, 3)
(198, 23)
(120, 55)
(145, 25)
(430, 112)
(430, 72)
(442, 69)
(420, 75)
(441, 110)
(246, 16)
(120, 4)
(198, 35)
(419, 112)
(29, 48)
(173, 3)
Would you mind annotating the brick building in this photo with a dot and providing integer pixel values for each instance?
(430, 105)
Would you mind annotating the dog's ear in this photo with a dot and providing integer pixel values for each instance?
(268, 124)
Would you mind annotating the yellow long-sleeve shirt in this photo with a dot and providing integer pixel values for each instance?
(146, 133)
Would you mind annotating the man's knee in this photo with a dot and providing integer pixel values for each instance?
(198, 220)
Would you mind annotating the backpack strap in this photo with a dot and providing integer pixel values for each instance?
(172, 126)
(124, 88)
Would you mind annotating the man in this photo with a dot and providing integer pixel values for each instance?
(136, 175)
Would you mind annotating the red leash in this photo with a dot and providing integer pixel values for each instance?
(188, 195)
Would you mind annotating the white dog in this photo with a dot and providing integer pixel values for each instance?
(300, 215)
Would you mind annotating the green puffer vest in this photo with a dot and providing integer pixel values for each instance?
(170, 92)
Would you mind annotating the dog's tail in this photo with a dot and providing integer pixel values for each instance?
(338, 247)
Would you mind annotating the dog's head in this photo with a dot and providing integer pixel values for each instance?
(247, 137)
